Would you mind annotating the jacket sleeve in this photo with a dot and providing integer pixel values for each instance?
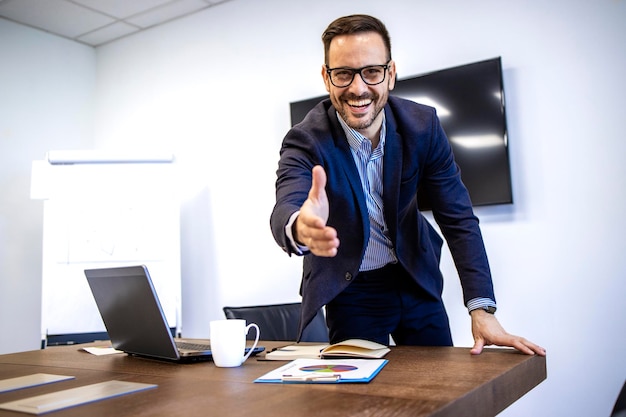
(299, 153)
(440, 178)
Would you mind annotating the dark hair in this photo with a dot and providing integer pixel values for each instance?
(355, 23)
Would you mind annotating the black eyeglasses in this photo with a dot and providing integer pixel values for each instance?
(371, 75)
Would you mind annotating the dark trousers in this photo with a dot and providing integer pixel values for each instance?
(387, 302)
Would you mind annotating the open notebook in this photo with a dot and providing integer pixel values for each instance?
(352, 348)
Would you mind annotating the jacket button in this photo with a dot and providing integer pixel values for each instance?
(348, 276)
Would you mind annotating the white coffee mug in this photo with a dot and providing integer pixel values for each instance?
(228, 342)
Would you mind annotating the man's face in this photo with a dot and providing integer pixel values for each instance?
(359, 104)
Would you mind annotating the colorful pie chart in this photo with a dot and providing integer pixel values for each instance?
(328, 368)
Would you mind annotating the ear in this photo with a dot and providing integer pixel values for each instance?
(326, 79)
(392, 74)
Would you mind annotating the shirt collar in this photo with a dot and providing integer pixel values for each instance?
(355, 139)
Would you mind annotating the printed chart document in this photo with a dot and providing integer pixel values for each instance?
(333, 371)
(352, 348)
(102, 350)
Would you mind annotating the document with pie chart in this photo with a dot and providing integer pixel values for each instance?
(325, 371)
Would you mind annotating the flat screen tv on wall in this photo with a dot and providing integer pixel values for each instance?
(470, 104)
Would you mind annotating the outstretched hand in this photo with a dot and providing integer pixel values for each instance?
(488, 331)
(310, 227)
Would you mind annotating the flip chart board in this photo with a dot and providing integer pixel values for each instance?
(105, 210)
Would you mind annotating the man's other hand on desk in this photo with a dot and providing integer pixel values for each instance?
(488, 331)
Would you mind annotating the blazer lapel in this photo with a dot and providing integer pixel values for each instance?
(344, 154)
(392, 167)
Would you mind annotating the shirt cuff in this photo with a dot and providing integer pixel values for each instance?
(298, 249)
(476, 303)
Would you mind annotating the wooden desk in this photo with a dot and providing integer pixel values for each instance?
(417, 381)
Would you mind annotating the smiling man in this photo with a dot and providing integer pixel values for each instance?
(346, 200)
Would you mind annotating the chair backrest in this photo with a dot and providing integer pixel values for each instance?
(73, 338)
(280, 322)
(619, 410)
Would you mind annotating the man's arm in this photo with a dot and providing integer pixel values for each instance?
(453, 212)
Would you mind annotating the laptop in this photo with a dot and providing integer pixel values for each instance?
(134, 319)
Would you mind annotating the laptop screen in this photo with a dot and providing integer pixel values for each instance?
(131, 311)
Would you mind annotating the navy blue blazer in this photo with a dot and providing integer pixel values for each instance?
(418, 157)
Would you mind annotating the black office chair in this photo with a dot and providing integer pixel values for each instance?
(76, 338)
(72, 338)
(619, 410)
(280, 322)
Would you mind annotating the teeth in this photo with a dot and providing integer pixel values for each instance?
(359, 103)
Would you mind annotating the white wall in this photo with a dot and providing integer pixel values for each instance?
(214, 88)
(46, 102)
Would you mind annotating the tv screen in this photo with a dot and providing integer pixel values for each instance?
(470, 104)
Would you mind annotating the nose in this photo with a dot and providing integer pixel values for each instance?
(358, 86)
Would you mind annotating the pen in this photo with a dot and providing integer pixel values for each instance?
(282, 348)
(311, 378)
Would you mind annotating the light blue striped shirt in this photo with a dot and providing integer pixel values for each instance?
(369, 162)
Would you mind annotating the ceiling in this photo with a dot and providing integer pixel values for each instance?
(96, 22)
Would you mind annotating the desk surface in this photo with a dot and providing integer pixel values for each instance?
(417, 381)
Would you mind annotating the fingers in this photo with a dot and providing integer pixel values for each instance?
(479, 344)
(317, 191)
(528, 347)
(323, 242)
(516, 342)
(320, 239)
(315, 209)
(524, 346)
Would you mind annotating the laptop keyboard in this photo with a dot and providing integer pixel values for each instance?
(193, 346)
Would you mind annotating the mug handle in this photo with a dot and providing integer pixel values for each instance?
(256, 340)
